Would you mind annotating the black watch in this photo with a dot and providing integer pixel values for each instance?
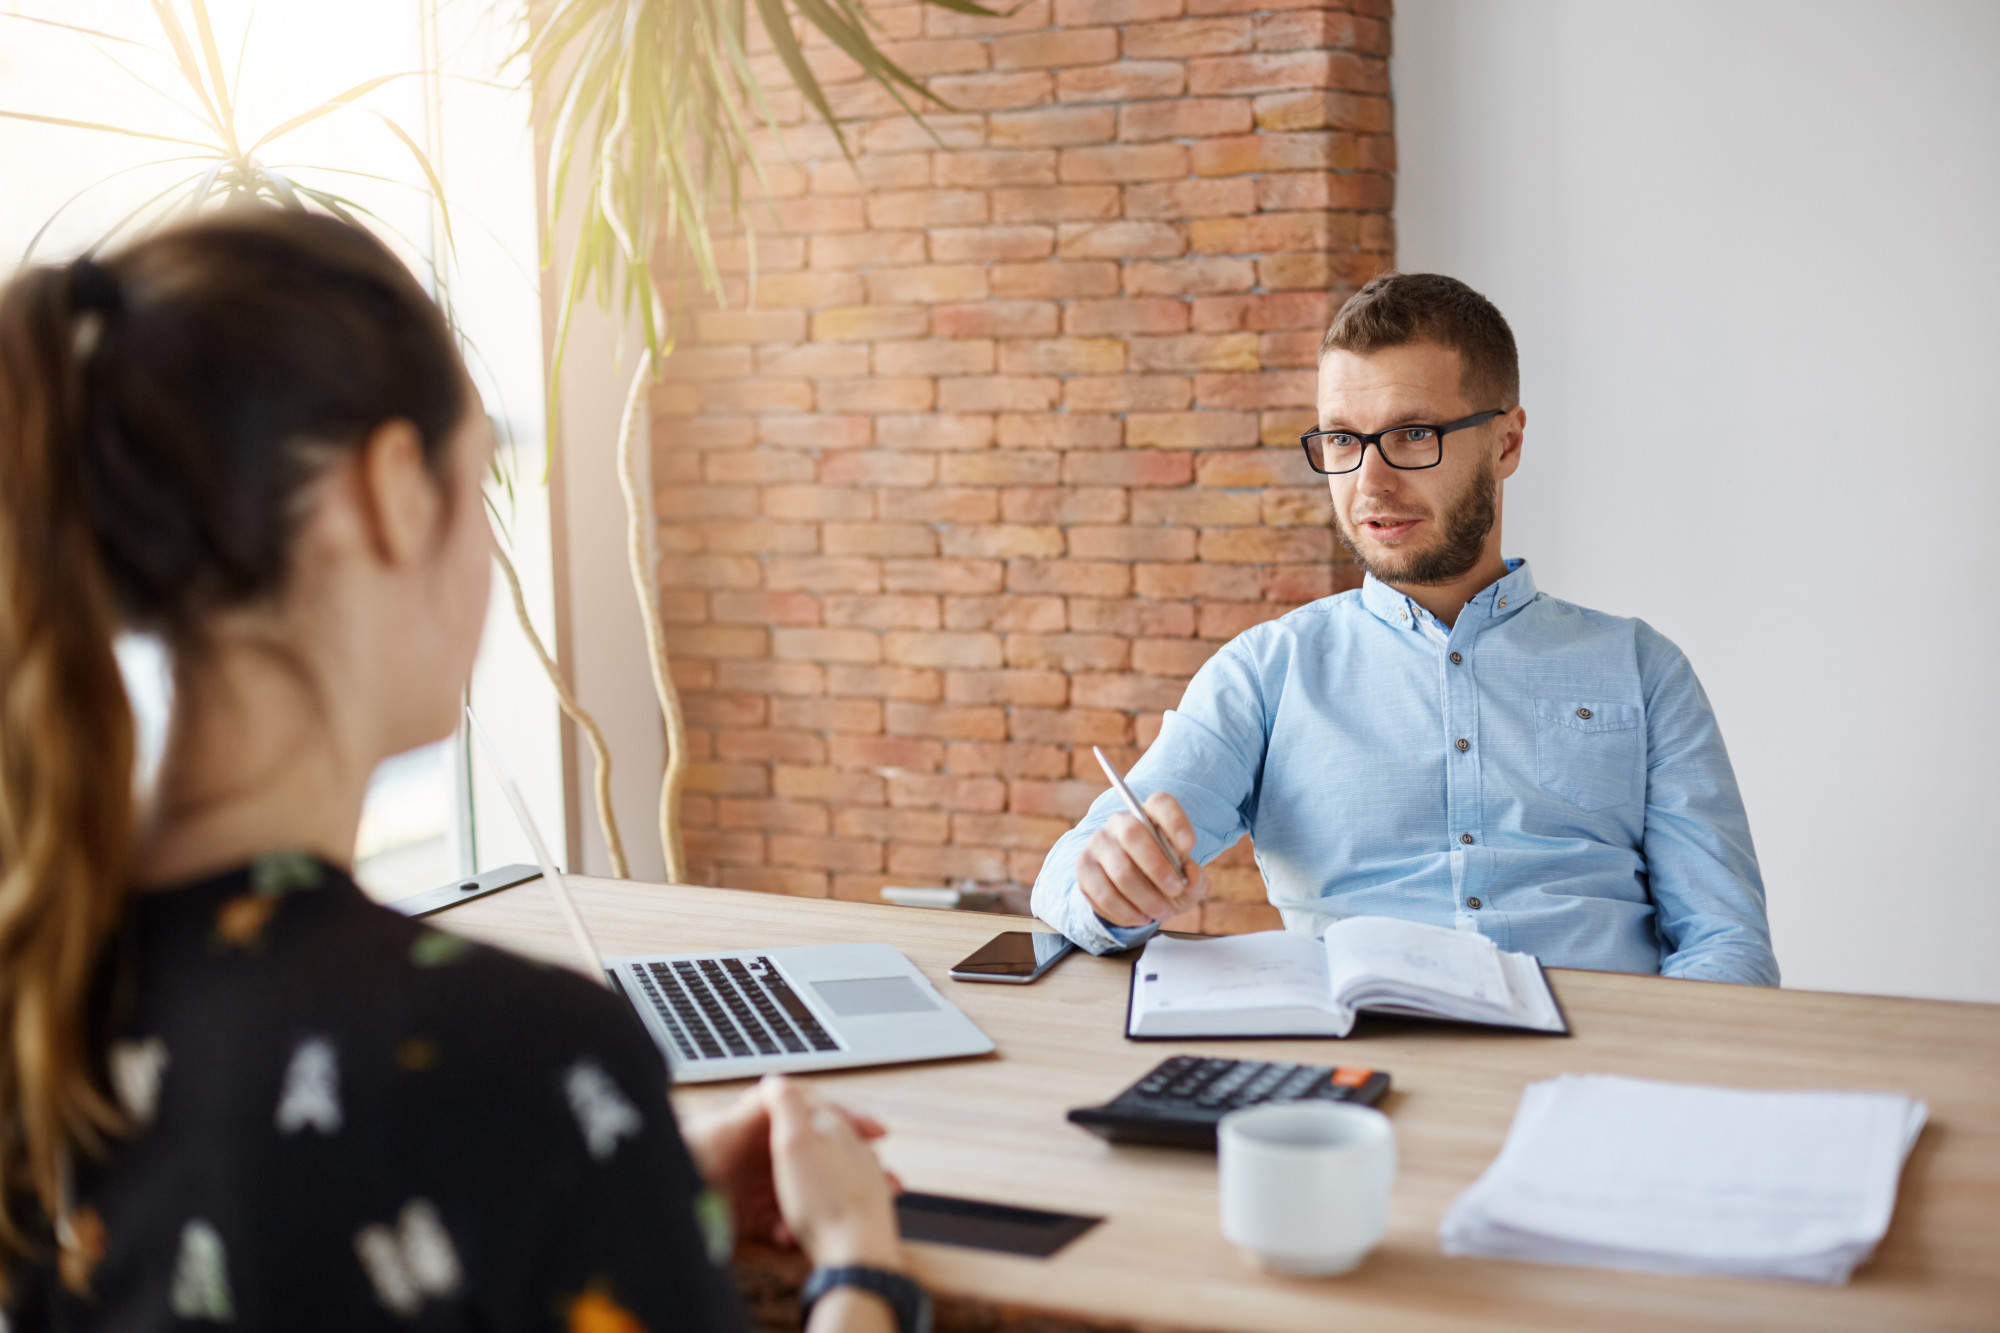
(911, 1303)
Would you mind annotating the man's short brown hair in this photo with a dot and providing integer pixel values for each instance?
(1399, 308)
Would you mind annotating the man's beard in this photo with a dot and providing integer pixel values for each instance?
(1460, 542)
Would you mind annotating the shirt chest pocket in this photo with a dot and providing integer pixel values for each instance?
(1593, 755)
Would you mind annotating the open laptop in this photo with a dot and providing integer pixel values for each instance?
(744, 1012)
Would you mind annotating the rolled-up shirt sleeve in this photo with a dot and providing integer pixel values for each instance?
(1701, 867)
(1208, 757)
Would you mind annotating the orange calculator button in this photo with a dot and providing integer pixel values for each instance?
(1345, 1077)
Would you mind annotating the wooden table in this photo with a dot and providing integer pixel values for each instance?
(993, 1128)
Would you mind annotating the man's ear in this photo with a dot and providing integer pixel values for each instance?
(1515, 424)
(400, 500)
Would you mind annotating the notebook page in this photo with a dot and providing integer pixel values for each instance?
(1417, 959)
(1270, 969)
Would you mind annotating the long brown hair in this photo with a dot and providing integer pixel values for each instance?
(161, 415)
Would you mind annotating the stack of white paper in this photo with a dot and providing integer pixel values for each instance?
(1672, 1178)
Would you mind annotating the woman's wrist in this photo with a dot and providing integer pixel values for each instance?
(875, 1249)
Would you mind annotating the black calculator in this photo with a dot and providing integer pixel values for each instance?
(1179, 1103)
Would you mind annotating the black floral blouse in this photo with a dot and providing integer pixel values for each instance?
(342, 1119)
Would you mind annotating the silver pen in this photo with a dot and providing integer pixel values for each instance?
(1138, 812)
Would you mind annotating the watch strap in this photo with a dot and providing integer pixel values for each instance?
(907, 1298)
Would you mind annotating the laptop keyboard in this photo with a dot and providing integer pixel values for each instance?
(718, 1008)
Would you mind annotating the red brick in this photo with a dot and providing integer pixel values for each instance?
(893, 825)
(926, 284)
(826, 645)
(891, 611)
(1253, 467)
(1048, 689)
(767, 746)
(1155, 315)
(814, 217)
(807, 289)
(1071, 726)
(824, 574)
(1063, 504)
(869, 323)
(998, 393)
(772, 815)
(825, 784)
(1063, 356)
(815, 502)
(1268, 73)
(1024, 17)
(1226, 620)
(1133, 543)
(1321, 109)
(1318, 189)
(1266, 545)
(826, 853)
(1062, 430)
(724, 710)
(934, 356)
(892, 539)
(981, 168)
(881, 171)
(996, 319)
(934, 864)
(1295, 507)
(1055, 280)
(718, 501)
(885, 752)
(947, 721)
(1258, 313)
(1044, 50)
(1036, 614)
(1054, 127)
(943, 576)
(1128, 393)
(1281, 429)
(1305, 150)
(1270, 388)
(1124, 162)
(779, 678)
(1082, 578)
(941, 648)
(987, 244)
(1317, 270)
(867, 249)
(1184, 118)
(946, 793)
(1219, 197)
(1078, 13)
(859, 716)
(872, 468)
(1171, 657)
(1008, 830)
(1266, 232)
(753, 395)
(704, 845)
(1196, 352)
(925, 208)
(692, 362)
(876, 394)
(1056, 203)
(1190, 277)
(1129, 468)
(1067, 652)
(1122, 82)
(1121, 240)
(745, 326)
(1170, 581)
(766, 608)
(706, 433)
(1065, 800)
(1001, 541)
(1138, 694)
(934, 432)
(806, 431)
(728, 779)
(1190, 430)
(1188, 37)
(1131, 617)
(757, 466)
(1289, 347)
(945, 504)
(1007, 761)
(1320, 29)
(826, 360)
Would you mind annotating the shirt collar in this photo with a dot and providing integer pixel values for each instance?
(1496, 601)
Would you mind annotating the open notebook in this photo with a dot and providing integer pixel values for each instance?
(1276, 984)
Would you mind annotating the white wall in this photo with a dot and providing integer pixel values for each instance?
(1751, 252)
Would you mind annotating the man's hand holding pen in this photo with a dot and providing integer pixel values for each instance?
(1126, 876)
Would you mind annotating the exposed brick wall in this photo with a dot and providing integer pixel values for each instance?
(1006, 446)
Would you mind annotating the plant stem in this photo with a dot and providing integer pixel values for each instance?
(607, 819)
(646, 583)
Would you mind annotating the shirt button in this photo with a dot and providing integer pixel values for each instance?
(1465, 838)
(1463, 745)
(1473, 903)
(1456, 658)
(1583, 713)
(1503, 601)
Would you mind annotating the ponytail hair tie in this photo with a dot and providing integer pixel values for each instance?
(92, 287)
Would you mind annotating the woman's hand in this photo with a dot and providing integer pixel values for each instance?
(833, 1195)
(732, 1150)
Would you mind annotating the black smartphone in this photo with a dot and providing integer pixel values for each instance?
(1016, 957)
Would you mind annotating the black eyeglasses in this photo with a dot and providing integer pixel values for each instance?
(1332, 452)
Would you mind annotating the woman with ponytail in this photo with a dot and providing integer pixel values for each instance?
(232, 1090)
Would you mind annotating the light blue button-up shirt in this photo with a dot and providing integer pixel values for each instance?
(1548, 776)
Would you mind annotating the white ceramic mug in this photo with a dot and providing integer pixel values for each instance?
(1305, 1185)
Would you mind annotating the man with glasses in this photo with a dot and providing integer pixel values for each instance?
(1446, 743)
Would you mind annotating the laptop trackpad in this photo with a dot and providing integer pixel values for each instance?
(862, 996)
